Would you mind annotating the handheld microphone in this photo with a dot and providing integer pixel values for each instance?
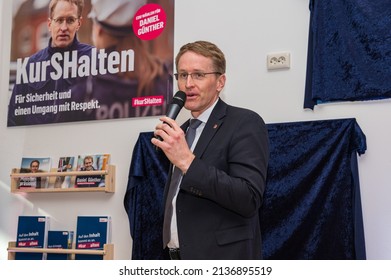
(176, 105)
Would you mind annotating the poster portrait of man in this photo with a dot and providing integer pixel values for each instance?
(83, 60)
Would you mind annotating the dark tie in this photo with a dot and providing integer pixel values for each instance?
(175, 178)
(191, 132)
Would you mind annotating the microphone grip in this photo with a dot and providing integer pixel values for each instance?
(173, 110)
(158, 137)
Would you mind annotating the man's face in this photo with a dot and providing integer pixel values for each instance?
(200, 94)
(64, 24)
(88, 164)
(34, 167)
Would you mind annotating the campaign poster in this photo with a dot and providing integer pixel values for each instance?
(92, 62)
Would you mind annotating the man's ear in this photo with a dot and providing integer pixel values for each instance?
(79, 23)
(49, 23)
(221, 82)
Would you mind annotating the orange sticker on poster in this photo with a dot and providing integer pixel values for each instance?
(149, 21)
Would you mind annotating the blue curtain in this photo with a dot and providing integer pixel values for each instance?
(310, 201)
(312, 205)
(144, 199)
(349, 51)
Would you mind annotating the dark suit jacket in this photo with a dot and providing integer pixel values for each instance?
(221, 193)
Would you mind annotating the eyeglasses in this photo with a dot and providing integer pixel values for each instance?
(68, 20)
(197, 76)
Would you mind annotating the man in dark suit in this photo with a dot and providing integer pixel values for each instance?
(222, 174)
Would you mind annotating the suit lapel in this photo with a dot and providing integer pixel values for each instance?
(213, 124)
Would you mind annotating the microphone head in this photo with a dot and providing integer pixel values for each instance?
(176, 105)
(179, 98)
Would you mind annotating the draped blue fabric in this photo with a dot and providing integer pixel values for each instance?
(144, 199)
(309, 204)
(312, 205)
(349, 51)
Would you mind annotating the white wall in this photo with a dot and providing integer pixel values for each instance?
(246, 30)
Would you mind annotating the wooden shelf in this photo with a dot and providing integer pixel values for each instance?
(107, 252)
(109, 181)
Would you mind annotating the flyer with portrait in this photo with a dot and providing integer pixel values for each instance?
(90, 60)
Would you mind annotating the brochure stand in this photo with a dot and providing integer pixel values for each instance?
(109, 175)
(107, 252)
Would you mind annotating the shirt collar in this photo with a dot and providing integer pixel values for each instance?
(206, 114)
